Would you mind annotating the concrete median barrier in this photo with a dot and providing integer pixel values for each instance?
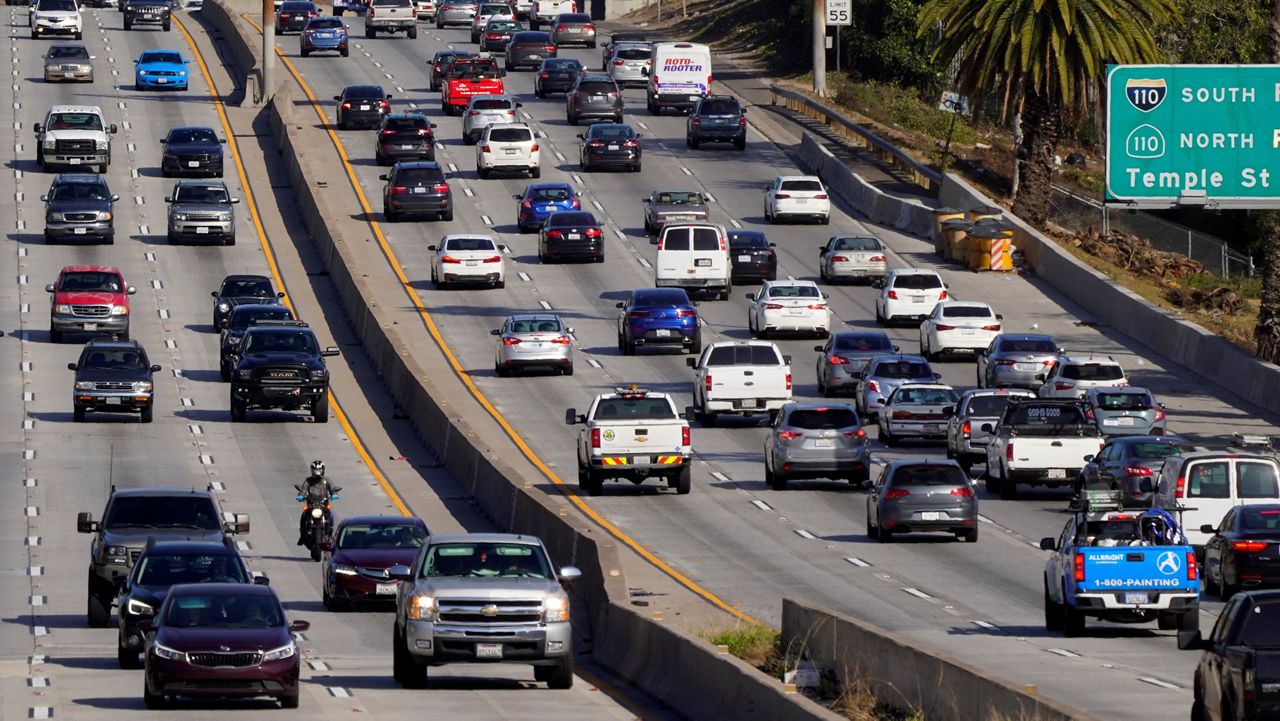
(909, 216)
(243, 42)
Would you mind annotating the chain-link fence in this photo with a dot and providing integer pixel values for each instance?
(1079, 214)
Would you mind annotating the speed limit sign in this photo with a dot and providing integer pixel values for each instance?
(839, 12)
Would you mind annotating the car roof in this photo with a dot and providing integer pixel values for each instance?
(524, 126)
(1011, 392)
(547, 186)
(213, 548)
(534, 316)
(382, 520)
(815, 405)
(257, 307)
(1127, 390)
(914, 271)
(91, 269)
(596, 77)
(418, 165)
(723, 343)
(964, 304)
(1232, 455)
(80, 178)
(109, 343)
(190, 127)
(280, 329)
(157, 51)
(612, 125)
(76, 109)
(1024, 336)
(889, 357)
(485, 538)
(244, 276)
(1074, 359)
(221, 589)
(790, 283)
(900, 462)
(493, 96)
(1127, 440)
(202, 182)
(364, 87)
(467, 236)
(157, 492)
(799, 177)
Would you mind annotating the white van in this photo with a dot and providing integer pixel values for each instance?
(1208, 484)
(679, 76)
(694, 256)
(544, 12)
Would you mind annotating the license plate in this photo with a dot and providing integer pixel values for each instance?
(932, 428)
(931, 515)
(385, 589)
(967, 331)
(419, 190)
(613, 147)
(488, 651)
(80, 231)
(702, 262)
(695, 98)
(662, 333)
(1056, 473)
(801, 201)
(364, 107)
(917, 299)
(68, 75)
(640, 460)
(822, 443)
(535, 57)
(162, 81)
(1118, 421)
(744, 259)
(73, 161)
(113, 401)
(324, 35)
(575, 236)
(405, 147)
(512, 151)
(1026, 366)
(1131, 597)
(90, 326)
(471, 263)
(753, 403)
(201, 230)
(795, 311)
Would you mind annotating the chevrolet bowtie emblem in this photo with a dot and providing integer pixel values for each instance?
(490, 610)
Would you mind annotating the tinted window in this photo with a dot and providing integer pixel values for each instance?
(1031, 414)
(987, 406)
(296, 7)
(574, 18)
(486, 560)
(491, 104)
(552, 194)
(248, 288)
(510, 135)
(758, 355)
(407, 123)
(675, 239)
(419, 176)
(91, 281)
(794, 291)
(748, 241)
(469, 244)
(67, 51)
(193, 135)
(917, 281)
(1261, 627)
(634, 409)
(611, 133)
(243, 319)
(170, 569)
(78, 191)
(1209, 479)
(1093, 372)
(1027, 345)
(722, 106)
(1253, 518)
(1155, 451)
(706, 239)
(493, 9)
(566, 219)
(534, 325)
(58, 5)
(364, 91)
(536, 37)
(1124, 401)
(823, 418)
(114, 359)
(395, 3)
(324, 24)
(966, 311)
(857, 244)
(567, 64)
(923, 396)
(224, 611)
(1256, 480)
(280, 343)
(201, 194)
(903, 369)
(659, 298)
(382, 535)
(633, 54)
(867, 342)
(595, 87)
(802, 185)
(161, 57)
(928, 476)
(163, 512)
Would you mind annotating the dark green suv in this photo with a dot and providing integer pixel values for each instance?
(281, 365)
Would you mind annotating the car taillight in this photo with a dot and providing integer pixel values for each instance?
(596, 143)
(706, 383)
(839, 259)
(1063, 386)
(962, 492)
(449, 259)
(781, 196)
(686, 436)
(512, 113)
(855, 434)
(510, 341)
(837, 360)
(589, 28)
(789, 435)
(550, 48)
(1079, 564)
(544, 74)
(995, 327)
(493, 36)
(618, 62)
(1135, 471)
(788, 381)
(878, 259)
(313, 15)
(896, 493)
(562, 340)
(893, 295)
(638, 314)
(561, 27)
(773, 306)
(942, 295)
(943, 326)
(473, 113)
(484, 149)
(346, 105)
(577, 204)
(440, 188)
(817, 306)
(1005, 363)
(593, 232)
(697, 121)
(1159, 415)
(873, 386)
(1180, 489)
(742, 120)
(385, 105)
(533, 148)
(686, 314)
(595, 437)
(1249, 546)
(820, 196)
(633, 143)
(399, 190)
(1008, 451)
(965, 429)
(492, 259)
(387, 132)
(1192, 571)
(424, 131)
(902, 415)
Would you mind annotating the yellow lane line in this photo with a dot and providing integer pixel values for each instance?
(275, 269)
(463, 376)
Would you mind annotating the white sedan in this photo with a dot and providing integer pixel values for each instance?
(957, 326)
(795, 306)
(853, 258)
(468, 259)
(796, 196)
(508, 146)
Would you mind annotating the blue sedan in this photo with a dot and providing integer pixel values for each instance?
(658, 316)
(540, 200)
(324, 33)
(160, 69)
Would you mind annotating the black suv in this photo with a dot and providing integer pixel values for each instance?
(281, 366)
(716, 119)
(191, 151)
(78, 207)
(242, 317)
(237, 289)
(164, 564)
(146, 12)
(405, 136)
(113, 376)
(416, 189)
(134, 515)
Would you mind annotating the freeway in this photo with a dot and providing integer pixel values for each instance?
(52, 663)
(733, 536)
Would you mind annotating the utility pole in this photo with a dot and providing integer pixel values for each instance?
(268, 49)
(819, 48)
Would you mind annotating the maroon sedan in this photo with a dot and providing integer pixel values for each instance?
(221, 640)
(359, 553)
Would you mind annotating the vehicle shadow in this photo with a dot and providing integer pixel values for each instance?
(304, 606)
(96, 663)
(1111, 631)
(201, 375)
(437, 681)
(200, 328)
(53, 620)
(135, 703)
(91, 418)
(622, 489)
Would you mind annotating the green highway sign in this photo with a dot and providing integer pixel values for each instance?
(1193, 135)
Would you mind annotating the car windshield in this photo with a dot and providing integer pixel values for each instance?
(381, 535)
(1027, 345)
(569, 219)
(678, 198)
(534, 325)
(275, 342)
(923, 396)
(510, 135)
(161, 56)
(193, 135)
(551, 194)
(247, 288)
(1253, 518)
(478, 70)
(862, 343)
(163, 512)
(78, 191)
(987, 406)
(1154, 450)
(219, 610)
(171, 569)
(559, 64)
(929, 475)
(822, 418)
(902, 369)
(1261, 628)
(57, 6)
(1030, 415)
(633, 54)
(966, 311)
(68, 51)
(114, 359)
(744, 355)
(1111, 532)
(917, 281)
(216, 194)
(1093, 372)
(652, 298)
(469, 244)
(634, 409)
(491, 104)
(871, 244)
(89, 281)
(486, 560)
(1125, 401)
(242, 319)
(794, 291)
(75, 121)
(804, 186)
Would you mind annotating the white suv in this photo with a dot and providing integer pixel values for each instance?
(484, 110)
(508, 146)
(1074, 374)
(55, 17)
(796, 196)
(909, 293)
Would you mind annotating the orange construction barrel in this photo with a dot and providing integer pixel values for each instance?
(981, 239)
(940, 217)
(953, 231)
(983, 212)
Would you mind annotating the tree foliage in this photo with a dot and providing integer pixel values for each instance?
(881, 44)
(1217, 32)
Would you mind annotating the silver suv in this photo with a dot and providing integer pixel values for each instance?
(200, 211)
(483, 598)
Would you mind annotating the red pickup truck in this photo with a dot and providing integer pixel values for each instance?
(89, 299)
(467, 77)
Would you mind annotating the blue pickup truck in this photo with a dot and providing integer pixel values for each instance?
(1123, 567)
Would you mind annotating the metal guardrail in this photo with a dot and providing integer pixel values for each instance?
(861, 136)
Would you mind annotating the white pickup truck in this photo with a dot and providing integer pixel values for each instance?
(1039, 443)
(633, 434)
(742, 378)
(391, 16)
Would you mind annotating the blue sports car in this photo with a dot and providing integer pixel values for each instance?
(160, 69)
(542, 199)
(658, 316)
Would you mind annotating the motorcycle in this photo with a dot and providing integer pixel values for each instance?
(319, 520)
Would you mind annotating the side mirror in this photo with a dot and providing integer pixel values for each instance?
(130, 290)
(639, 135)
(239, 524)
(569, 330)
(571, 416)
(502, 248)
(619, 304)
(819, 348)
(1039, 376)
(326, 545)
(168, 199)
(786, 360)
(384, 177)
(337, 97)
(895, 349)
(987, 428)
(1088, 458)
(581, 136)
(147, 625)
(113, 129)
(751, 296)
(37, 128)
(223, 141)
(212, 294)
(519, 105)
(569, 574)
(1145, 485)
(822, 249)
(644, 72)
(114, 197)
(690, 414)
(431, 247)
(516, 197)
(235, 201)
(691, 362)
(85, 523)
(279, 295)
(44, 199)
(937, 376)
(261, 580)
(400, 573)
(155, 368)
(1208, 528)
(496, 331)
(855, 374)
(1191, 641)
(868, 485)
(1048, 544)
(299, 626)
(48, 288)
(999, 316)
(329, 352)
(73, 367)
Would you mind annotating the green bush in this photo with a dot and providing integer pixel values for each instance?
(905, 108)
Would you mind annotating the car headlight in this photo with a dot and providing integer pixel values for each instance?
(422, 608)
(223, 307)
(246, 374)
(555, 609)
(84, 385)
(119, 310)
(138, 608)
(344, 570)
(280, 653)
(142, 387)
(225, 218)
(320, 375)
(169, 653)
(183, 216)
(102, 145)
(57, 217)
(115, 553)
(234, 339)
(60, 308)
(50, 144)
(142, 72)
(317, 513)
(182, 73)
(104, 215)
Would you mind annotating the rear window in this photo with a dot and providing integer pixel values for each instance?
(296, 7)
(365, 91)
(1033, 415)
(574, 18)
(1093, 372)
(660, 298)
(748, 241)
(396, 3)
(1259, 519)
(706, 239)
(419, 176)
(856, 244)
(406, 123)
(917, 281)
(928, 476)
(802, 185)
(903, 369)
(1156, 451)
(469, 244)
(1209, 479)
(510, 135)
(863, 343)
(823, 418)
(966, 311)
(1027, 345)
(596, 87)
(634, 409)
(679, 198)
(494, 9)
(987, 406)
(923, 396)
(634, 54)
(564, 219)
(794, 291)
(1124, 401)
(491, 104)
(535, 37)
(552, 194)
(744, 355)
(324, 24)
(729, 107)
(1262, 626)
(1256, 480)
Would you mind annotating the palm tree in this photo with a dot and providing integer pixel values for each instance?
(1054, 49)
(1266, 334)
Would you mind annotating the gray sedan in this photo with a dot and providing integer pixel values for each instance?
(812, 440)
(1123, 463)
(966, 441)
(913, 496)
(533, 340)
(1016, 360)
(68, 62)
(574, 28)
(1127, 411)
(883, 374)
(455, 13)
(673, 206)
(844, 356)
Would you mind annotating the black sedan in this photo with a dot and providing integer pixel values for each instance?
(293, 15)
(1244, 550)
(528, 49)
(441, 61)
(192, 151)
(556, 75)
(752, 256)
(362, 106)
(1124, 462)
(571, 235)
(237, 289)
(610, 145)
(405, 137)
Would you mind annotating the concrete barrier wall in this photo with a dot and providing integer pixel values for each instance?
(238, 34)
(911, 676)
(909, 216)
(1206, 354)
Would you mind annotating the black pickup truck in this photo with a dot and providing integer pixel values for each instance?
(1239, 673)
(281, 365)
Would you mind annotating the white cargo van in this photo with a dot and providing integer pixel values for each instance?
(1207, 484)
(679, 76)
(694, 256)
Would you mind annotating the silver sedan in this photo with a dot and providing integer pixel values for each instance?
(455, 13)
(917, 410)
(533, 340)
(68, 62)
(1128, 411)
(1016, 360)
(853, 259)
(815, 440)
(912, 496)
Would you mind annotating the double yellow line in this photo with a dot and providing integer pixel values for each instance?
(461, 372)
(275, 269)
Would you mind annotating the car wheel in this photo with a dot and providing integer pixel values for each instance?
(595, 483)
(224, 370)
(406, 670)
(128, 659)
(320, 409)
(447, 215)
(148, 414)
(304, 52)
(78, 414)
(1052, 612)
(889, 439)
(566, 370)
(1227, 590)
(992, 483)
(535, 171)
(290, 700)
(153, 701)
(969, 536)
(684, 481)
(573, 119)
(413, 33)
(629, 348)
(238, 411)
(1072, 621)
(99, 612)
(1008, 490)
(483, 173)
(344, 52)
(884, 535)
(873, 531)
(708, 418)
(391, 215)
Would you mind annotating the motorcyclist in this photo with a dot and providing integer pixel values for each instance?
(316, 491)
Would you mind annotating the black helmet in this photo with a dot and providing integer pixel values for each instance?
(317, 469)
